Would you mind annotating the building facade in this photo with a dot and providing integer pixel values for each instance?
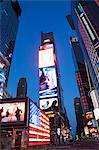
(22, 88)
(79, 116)
(86, 21)
(9, 21)
(81, 75)
(50, 94)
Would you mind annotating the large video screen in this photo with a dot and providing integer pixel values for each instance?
(46, 58)
(50, 104)
(13, 112)
(48, 82)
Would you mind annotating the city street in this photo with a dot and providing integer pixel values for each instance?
(49, 75)
(89, 144)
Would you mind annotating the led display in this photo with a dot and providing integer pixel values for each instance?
(39, 127)
(48, 82)
(1, 64)
(49, 104)
(2, 81)
(96, 113)
(94, 97)
(46, 58)
(89, 116)
(12, 112)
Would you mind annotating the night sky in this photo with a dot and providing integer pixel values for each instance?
(44, 16)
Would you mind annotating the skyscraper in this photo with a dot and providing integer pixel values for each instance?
(22, 88)
(86, 21)
(9, 21)
(79, 116)
(81, 75)
(50, 91)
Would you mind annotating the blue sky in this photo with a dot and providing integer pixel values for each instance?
(44, 16)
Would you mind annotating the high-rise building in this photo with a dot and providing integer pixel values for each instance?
(81, 75)
(79, 116)
(86, 21)
(9, 21)
(48, 73)
(22, 88)
(50, 94)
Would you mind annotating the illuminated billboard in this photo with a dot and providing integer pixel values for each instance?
(39, 126)
(94, 97)
(48, 82)
(50, 104)
(2, 81)
(96, 113)
(89, 115)
(2, 76)
(12, 112)
(46, 58)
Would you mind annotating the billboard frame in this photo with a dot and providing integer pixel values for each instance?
(20, 124)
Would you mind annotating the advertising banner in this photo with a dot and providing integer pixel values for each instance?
(48, 82)
(94, 97)
(96, 113)
(49, 104)
(12, 112)
(46, 58)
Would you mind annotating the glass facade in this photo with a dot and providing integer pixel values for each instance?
(81, 75)
(9, 13)
(84, 14)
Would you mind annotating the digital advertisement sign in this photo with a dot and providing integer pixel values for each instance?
(46, 58)
(49, 104)
(94, 97)
(2, 81)
(96, 113)
(48, 82)
(12, 112)
(3, 74)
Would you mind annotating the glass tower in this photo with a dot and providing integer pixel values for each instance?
(86, 21)
(9, 21)
(81, 75)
